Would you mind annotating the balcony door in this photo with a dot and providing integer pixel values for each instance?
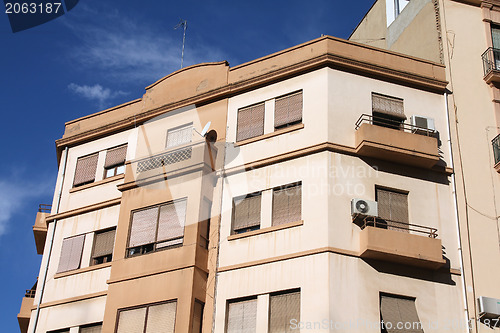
(393, 208)
(495, 38)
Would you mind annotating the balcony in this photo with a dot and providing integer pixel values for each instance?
(40, 227)
(396, 142)
(495, 143)
(24, 314)
(175, 161)
(402, 243)
(491, 65)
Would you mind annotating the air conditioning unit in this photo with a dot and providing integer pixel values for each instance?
(489, 307)
(422, 123)
(363, 207)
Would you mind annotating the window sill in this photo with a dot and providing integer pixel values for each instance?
(266, 230)
(270, 135)
(100, 182)
(82, 270)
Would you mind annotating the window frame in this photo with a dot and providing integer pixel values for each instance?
(284, 292)
(238, 300)
(283, 187)
(398, 191)
(395, 296)
(147, 306)
(76, 169)
(118, 169)
(92, 258)
(384, 119)
(187, 125)
(277, 128)
(58, 271)
(151, 247)
(243, 197)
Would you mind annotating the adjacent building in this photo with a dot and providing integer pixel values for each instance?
(465, 37)
(309, 190)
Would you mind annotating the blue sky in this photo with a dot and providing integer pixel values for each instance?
(101, 54)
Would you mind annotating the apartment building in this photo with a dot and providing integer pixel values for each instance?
(296, 192)
(464, 36)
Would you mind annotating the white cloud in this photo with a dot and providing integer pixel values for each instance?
(12, 196)
(95, 93)
(126, 48)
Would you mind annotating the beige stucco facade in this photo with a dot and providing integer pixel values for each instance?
(462, 31)
(336, 152)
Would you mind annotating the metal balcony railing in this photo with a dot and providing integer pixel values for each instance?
(394, 124)
(30, 293)
(377, 222)
(44, 208)
(496, 148)
(491, 60)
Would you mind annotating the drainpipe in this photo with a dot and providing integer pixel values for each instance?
(51, 242)
(455, 206)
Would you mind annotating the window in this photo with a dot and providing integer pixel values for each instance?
(94, 328)
(242, 316)
(250, 122)
(246, 213)
(206, 210)
(393, 207)
(102, 250)
(157, 228)
(64, 330)
(283, 308)
(148, 319)
(71, 253)
(86, 168)
(197, 316)
(387, 111)
(115, 161)
(288, 110)
(287, 202)
(179, 136)
(399, 314)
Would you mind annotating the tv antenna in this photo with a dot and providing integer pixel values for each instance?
(182, 23)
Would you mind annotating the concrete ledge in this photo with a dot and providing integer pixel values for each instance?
(397, 146)
(401, 247)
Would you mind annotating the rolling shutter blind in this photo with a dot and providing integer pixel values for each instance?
(197, 317)
(399, 310)
(250, 122)
(283, 308)
(393, 206)
(91, 329)
(171, 222)
(86, 168)
(287, 205)
(390, 106)
(288, 109)
(246, 212)
(103, 244)
(115, 156)
(161, 318)
(143, 230)
(242, 317)
(179, 136)
(131, 321)
(71, 254)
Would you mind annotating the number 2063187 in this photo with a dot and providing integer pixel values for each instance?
(32, 8)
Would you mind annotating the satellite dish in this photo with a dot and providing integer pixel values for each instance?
(205, 129)
(362, 206)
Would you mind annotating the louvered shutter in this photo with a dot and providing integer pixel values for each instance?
(91, 329)
(179, 136)
(288, 109)
(246, 212)
(115, 156)
(250, 122)
(390, 106)
(283, 308)
(143, 229)
(71, 254)
(287, 204)
(131, 321)
(399, 310)
(393, 206)
(197, 317)
(242, 317)
(161, 318)
(86, 168)
(171, 223)
(103, 244)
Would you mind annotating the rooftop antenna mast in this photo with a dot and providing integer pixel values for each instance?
(182, 23)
